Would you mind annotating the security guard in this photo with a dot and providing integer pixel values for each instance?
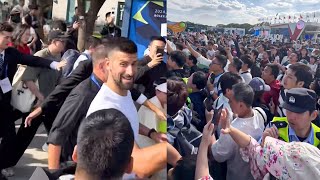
(300, 106)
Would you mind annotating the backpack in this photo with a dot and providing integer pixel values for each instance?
(187, 138)
(71, 55)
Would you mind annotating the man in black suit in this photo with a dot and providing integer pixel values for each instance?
(9, 59)
(110, 29)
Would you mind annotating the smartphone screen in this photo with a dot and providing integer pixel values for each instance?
(160, 50)
(217, 115)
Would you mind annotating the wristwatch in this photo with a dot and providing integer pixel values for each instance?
(150, 132)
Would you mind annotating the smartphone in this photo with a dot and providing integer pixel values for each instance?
(217, 115)
(212, 78)
(160, 50)
(208, 103)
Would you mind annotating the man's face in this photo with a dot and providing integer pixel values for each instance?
(215, 65)
(252, 56)
(5, 39)
(260, 48)
(122, 67)
(289, 80)
(235, 105)
(110, 19)
(59, 45)
(154, 45)
(299, 121)
(267, 74)
(265, 56)
(232, 68)
(293, 58)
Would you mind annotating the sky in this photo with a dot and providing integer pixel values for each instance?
(213, 12)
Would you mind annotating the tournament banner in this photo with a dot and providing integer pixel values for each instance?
(147, 19)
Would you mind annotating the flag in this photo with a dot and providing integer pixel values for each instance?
(301, 16)
(277, 14)
(314, 14)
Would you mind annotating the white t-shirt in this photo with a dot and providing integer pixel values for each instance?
(107, 99)
(210, 54)
(225, 149)
(246, 76)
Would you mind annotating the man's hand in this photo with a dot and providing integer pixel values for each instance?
(37, 112)
(209, 115)
(272, 132)
(156, 60)
(224, 121)
(39, 101)
(159, 137)
(161, 115)
(207, 134)
(61, 64)
(76, 25)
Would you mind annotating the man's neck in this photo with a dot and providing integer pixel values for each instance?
(270, 81)
(244, 69)
(304, 133)
(111, 25)
(99, 74)
(246, 113)
(82, 175)
(218, 72)
(112, 85)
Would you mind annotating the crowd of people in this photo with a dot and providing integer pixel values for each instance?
(103, 109)
(195, 106)
(243, 107)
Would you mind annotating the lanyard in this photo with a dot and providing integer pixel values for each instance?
(95, 81)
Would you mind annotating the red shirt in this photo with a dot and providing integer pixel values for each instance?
(273, 93)
(23, 49)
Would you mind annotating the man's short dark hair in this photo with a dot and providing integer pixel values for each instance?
(237, 63)
(274, 69)
(247, 60)
(179, 46)
(76, 8)
(122, 44)
(59, 24)
(222, 60)
(255, 52)
(92, 42)
(227, 80)
(264, 46)
(243, 92)
(108, 14)
(157, 38)
(6, 27)
(176, 95)
(193, 59)
(178, 57)
(199, 79)
(210, 43)
(104, 144)
(303, 73)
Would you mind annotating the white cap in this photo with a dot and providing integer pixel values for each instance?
(162, 87)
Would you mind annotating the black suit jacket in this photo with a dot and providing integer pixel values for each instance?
(12, 57)
(54, 101)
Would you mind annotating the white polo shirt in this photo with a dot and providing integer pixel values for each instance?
(108, 99)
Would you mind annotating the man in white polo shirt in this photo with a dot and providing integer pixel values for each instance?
(120, 68)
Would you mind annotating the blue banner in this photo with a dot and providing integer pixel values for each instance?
(145, 21)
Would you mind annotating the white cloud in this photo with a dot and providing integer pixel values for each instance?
(214, 12)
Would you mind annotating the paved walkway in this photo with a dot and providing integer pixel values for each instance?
(33, 156)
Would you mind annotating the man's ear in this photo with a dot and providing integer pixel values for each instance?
(300, 84)
(74, 154)
(130, 166)
(314, 115)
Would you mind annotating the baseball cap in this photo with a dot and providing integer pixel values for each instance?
(258, 84)
(57, 34)
(300, 100)
(162, 87)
